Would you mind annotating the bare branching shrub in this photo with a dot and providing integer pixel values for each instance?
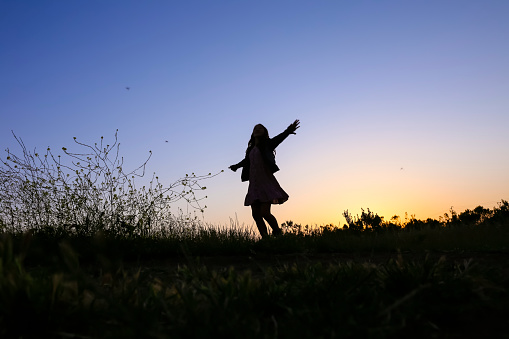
(87, 192)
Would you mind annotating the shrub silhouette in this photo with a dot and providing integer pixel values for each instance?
(368, 221)
(88, 192)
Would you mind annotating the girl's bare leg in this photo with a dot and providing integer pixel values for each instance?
(256, 211)
(265, 211)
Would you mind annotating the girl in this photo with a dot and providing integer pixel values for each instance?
(258, 167)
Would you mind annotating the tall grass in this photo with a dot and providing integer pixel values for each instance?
(89, 191)
(197, 239)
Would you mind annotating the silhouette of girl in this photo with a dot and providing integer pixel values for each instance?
(259, 166)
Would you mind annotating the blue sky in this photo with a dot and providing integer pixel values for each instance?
(378, 86)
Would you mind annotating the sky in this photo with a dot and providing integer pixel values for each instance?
(404, 105)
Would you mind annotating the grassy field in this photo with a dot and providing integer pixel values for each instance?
(87, 253)
(424, 279)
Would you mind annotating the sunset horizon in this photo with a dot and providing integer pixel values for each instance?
(403, 106)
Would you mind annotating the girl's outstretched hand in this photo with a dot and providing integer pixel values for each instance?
(294, 126)
(233, 168)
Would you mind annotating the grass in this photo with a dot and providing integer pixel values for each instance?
(86, 253)
(444, 282)
(421, 298)
(41, 248)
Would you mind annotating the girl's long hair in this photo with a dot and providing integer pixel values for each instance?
(262, 142)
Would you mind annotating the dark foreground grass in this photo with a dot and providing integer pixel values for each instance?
(102, 286)
(43, 247)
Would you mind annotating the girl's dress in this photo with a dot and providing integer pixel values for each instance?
(263, 186)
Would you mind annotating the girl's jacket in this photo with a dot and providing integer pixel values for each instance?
(267, 154)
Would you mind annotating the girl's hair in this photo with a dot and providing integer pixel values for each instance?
(261, 142)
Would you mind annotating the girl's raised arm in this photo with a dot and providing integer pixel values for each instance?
(282, 136)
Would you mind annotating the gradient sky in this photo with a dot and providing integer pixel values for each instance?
(404, 105)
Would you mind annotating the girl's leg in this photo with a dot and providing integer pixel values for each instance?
(265, 211)
(256, 212)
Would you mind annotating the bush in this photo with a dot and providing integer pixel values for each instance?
(87, 192)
